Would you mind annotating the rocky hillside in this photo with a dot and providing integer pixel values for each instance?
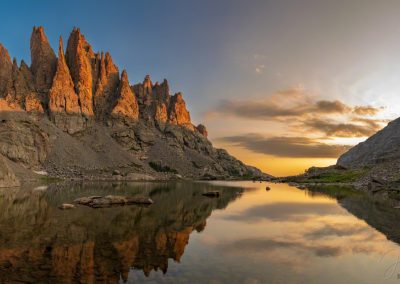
(74, 115)
(382, 147)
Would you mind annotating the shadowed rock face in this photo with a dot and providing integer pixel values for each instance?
(85, 245)
(5, 72)
(44, 62)
(93, 121)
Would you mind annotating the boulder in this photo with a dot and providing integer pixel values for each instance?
(112, 200)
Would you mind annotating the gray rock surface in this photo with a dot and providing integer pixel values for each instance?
(384, 146)
(7, 176)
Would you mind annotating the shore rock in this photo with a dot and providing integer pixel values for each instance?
(112, 200)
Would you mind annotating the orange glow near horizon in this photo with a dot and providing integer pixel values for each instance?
(278, 166)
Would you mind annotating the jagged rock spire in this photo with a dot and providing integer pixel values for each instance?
(148, 85)
(79, 57)
(81, 83)
(44, 62)
(63, 98)
(178, 114)
(126, 104)
(106, 87)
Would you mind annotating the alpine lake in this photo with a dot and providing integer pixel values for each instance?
(248, 234)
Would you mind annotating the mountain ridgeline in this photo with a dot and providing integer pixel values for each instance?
(75, 115)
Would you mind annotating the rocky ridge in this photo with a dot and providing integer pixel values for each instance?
(75, 116)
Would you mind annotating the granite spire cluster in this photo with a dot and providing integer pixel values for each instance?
(80, 87)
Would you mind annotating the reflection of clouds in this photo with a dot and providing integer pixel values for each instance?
(327, 232)
(287, 211)
(359, 240)
(337, 230)
(261, 245)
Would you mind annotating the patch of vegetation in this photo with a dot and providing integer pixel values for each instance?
(49, 179)
(328, 176)
(162, 168)
(336, 176)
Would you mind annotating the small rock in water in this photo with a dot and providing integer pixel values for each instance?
(267, 188)
(66, 206)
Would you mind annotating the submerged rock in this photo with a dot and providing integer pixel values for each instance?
(112, 200)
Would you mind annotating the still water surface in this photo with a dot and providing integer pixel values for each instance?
(248, 235)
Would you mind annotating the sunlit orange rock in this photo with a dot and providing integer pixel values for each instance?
(126, 104)
(79, 56)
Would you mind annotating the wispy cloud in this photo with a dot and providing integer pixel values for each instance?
(260, 68)
(293, 147)
(333, 129)
(303, 117)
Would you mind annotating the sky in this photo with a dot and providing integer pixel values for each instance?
(282, 85)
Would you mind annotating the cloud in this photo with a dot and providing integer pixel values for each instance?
(292, 147)
(367, 110)
(260, 68)
(295, 103)
(333, 129)
(331, 107)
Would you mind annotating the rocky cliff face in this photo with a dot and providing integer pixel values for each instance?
(74, 116)
(384, 146)
(44, 61)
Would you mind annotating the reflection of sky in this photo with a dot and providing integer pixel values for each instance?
(287, 236)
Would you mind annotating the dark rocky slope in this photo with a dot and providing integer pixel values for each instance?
(74, 116)
(382, 147)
